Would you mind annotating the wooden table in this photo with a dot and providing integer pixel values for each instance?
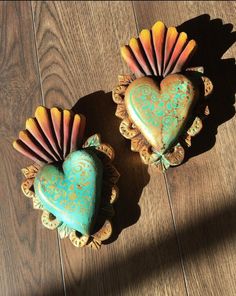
(175, 233)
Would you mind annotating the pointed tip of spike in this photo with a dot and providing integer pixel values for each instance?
(124, 50)
(158, 25)
(40, 110)
(14, 144)
(133, 42)
(144, 34)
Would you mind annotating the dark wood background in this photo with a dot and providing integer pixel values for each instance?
(175, 233)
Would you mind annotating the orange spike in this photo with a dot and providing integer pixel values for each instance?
(32, 126)
(20, 147)
(171, 37)
(26, 138)
(128, 56)
(75, 132)
(185, 55)
(158, 34)
(146, 41)
(56, 116)
(180, 43)
(139, 55)
(42, 116)
(66, 131)
(82, 128)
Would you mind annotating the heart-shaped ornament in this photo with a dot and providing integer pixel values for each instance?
(161, 111)
(72, 193)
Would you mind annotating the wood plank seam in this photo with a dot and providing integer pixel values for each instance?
(43, 103)
(168, 194)
(180, 250)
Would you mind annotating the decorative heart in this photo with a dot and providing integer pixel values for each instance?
(72, 193)
(161, 112)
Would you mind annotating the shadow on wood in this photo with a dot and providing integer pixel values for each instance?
(210, 232)
(213, 38)
(99, 110)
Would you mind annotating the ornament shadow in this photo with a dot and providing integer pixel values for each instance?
(213, 38)
(99, 111)
(200, 238)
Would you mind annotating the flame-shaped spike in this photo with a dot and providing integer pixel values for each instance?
(171, 37)
(77, 131)
(184, 56)
(51, 136)
(23, 149)
(33, 127)
(179, 46)
(43, 118)
(146, 41)
(139, 53)
(131, 61)
(56, 116)
(158, 34)
(67, 120)
(28, 140)
(159, 51)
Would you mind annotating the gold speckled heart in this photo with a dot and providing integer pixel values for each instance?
(161, 103)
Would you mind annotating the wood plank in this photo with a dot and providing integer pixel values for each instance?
(78, 45)
(26, 247)
(202, 191)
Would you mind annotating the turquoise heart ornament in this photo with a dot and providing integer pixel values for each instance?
(72, 192)
(161, 111)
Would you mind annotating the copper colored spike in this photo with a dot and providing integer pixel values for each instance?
(171, 37)
(42, 116)
(20, 147)
(67, 118)
(56, 116)
(180, 43)
(158, 34)
(32, 127)
(139, 55)
(128, 56)
(26, 138)
(184, 56)
(75, 133)
(145, 37)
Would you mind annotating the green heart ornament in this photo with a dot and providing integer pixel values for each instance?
(72, 192)
(161, 111)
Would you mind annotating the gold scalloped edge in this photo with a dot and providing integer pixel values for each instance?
(26, 186)
(128, 129)
(93, 241)
(30, 171)
(114, 194)
(138, 142)
(78, 241)
(208, 86)
(111, 177)
(49, 220)
(107, 150)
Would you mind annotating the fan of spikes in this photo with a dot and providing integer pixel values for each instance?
(51, 135)
(159, 51)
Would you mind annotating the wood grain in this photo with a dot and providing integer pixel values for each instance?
(29, 254)
(78, 45)
(202, 191)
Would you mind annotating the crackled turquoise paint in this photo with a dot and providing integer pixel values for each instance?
(162, 113)
(72, 193)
